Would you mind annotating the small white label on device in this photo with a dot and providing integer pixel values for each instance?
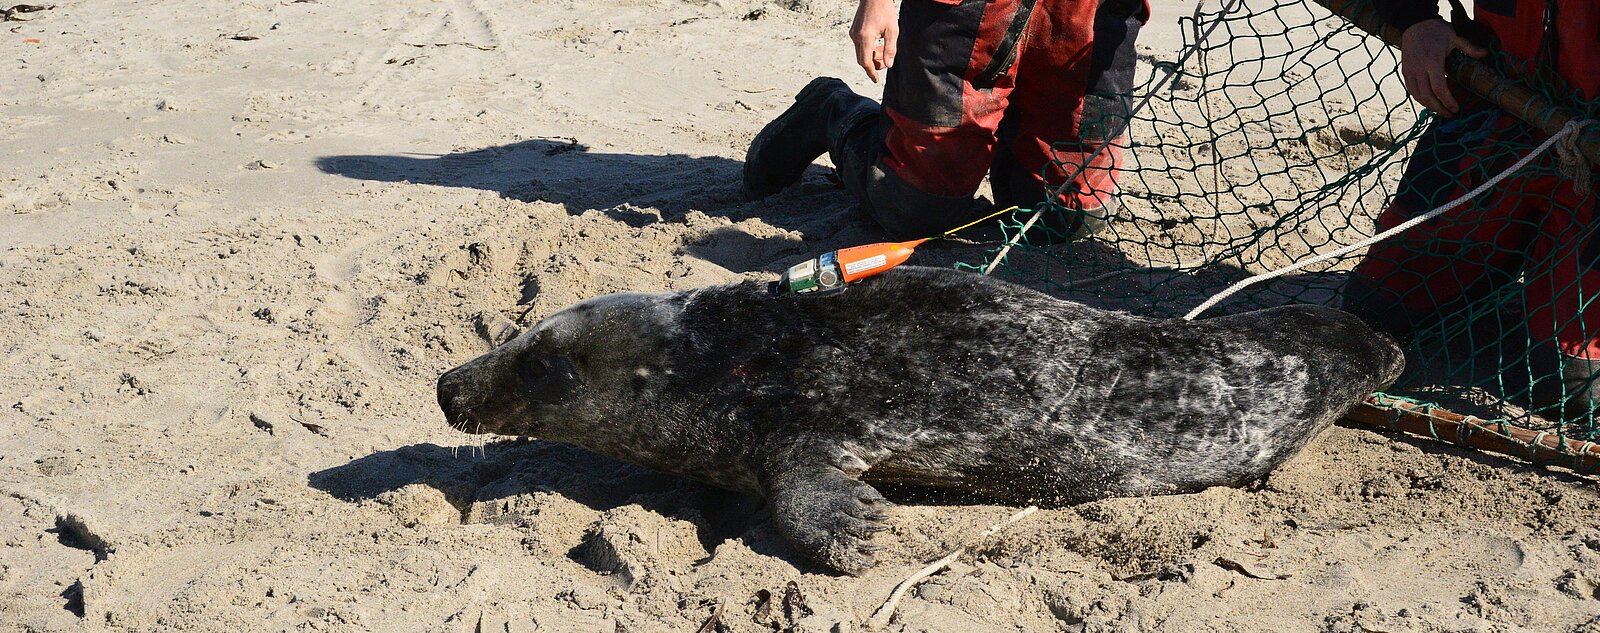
(865, 264)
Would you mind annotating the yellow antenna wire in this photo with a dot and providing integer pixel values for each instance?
(991, 216)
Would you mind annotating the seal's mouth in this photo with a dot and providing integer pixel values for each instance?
(463, 422)
(463, 419)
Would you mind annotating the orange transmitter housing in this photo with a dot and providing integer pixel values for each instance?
(859, 262)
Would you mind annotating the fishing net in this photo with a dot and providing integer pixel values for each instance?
(1281, 133)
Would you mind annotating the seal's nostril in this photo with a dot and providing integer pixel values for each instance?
(447, 397)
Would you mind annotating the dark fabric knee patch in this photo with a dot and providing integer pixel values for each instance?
(906, 212)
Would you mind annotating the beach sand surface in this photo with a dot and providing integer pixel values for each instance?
(239, 241)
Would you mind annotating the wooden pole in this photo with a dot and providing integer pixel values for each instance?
(1496, 437)
(1479, 79)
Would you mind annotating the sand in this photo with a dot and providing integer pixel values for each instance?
(239, 242)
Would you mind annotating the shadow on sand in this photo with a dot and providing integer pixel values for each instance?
(474, 478)
(640, 190)
(565, 172)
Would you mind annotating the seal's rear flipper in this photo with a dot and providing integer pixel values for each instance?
(825, 514)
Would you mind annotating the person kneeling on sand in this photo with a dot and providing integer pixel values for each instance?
(1535, 224)
(1024, 90)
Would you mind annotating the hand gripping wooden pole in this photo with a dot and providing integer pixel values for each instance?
(1480, 79)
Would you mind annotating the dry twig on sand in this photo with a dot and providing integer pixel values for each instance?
(880, 618)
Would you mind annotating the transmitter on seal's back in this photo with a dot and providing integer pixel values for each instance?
(931, 377)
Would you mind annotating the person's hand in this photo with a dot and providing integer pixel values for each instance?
(874, 32)
(1423, 48)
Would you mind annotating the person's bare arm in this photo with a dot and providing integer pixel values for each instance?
(874, 32)
(1423, 49)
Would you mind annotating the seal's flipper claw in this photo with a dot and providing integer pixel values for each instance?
(870, 496)
(821, 511)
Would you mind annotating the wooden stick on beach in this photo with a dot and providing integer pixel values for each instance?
(1538, 447)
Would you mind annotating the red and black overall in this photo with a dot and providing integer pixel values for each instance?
(988, 86)
(1534, 225)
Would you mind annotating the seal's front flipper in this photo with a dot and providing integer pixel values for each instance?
(827, 514)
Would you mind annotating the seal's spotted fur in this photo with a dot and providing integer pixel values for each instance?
(924, 376)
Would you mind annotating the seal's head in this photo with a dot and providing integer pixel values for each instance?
(577, 368)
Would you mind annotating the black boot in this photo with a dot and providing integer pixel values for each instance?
(783, 150)
(1564, 387)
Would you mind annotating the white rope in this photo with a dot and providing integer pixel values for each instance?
(1567, 130)
(881, 617)
(1172, 71)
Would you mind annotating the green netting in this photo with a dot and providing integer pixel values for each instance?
(1285, 134)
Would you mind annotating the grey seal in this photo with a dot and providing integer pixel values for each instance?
(929, 377)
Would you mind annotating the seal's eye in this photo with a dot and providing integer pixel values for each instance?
(546, 379)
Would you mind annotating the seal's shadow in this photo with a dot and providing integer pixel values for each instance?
(473, 478)
(477, 477)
